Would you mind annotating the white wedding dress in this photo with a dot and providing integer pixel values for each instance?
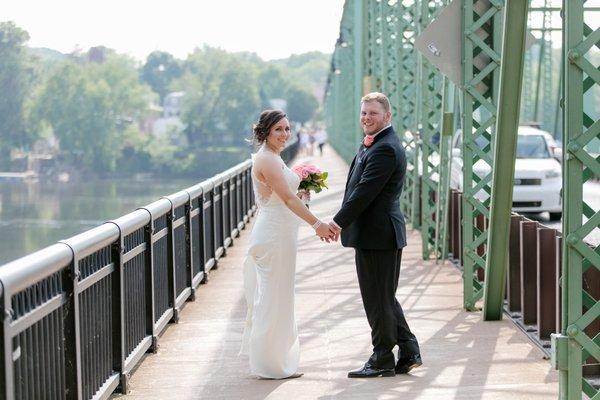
(271, 337)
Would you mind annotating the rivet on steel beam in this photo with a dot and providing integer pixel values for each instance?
(573, 239)
(574, 55)
(572, 330)
(573, 147)
(468, 32)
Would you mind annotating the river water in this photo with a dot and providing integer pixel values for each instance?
(36, 215)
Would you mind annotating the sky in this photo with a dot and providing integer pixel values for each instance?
(271, 28)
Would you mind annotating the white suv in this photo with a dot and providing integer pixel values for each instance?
(538, 173)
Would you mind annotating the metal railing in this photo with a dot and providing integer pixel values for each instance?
(534, 275)
(79, 315)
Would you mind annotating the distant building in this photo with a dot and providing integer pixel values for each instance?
(170, 125)
(173, 104)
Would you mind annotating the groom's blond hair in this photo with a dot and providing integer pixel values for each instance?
(379, 98)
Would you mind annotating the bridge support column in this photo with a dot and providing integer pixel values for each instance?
(505, 147)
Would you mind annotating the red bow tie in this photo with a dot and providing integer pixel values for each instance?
(368, 140)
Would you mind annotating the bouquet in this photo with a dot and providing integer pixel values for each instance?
(311, 178)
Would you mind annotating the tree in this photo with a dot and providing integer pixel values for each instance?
(221, 96)
(90, 106)
(273, 83)
(160, 70)
(15, 79)
(302, 105)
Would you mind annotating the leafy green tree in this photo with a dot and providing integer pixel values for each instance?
(302, 105)
(160, 69)
(15, 79)
(90, 107)
(221, 96)
(273, 83)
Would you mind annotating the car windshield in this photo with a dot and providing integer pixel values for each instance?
(532, 146)
(528, 146)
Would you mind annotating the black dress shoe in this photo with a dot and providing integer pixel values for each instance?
(369, 371)
(404, 365)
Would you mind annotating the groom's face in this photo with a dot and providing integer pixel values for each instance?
(373, 117)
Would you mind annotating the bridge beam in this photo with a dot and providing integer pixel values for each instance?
(505, 150)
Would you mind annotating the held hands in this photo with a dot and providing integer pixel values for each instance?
(336, 229)
(325, 232)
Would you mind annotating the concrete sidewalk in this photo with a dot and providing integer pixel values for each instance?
(464, 357)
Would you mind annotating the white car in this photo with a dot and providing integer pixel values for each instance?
(538, 173)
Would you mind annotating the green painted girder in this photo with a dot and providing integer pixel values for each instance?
(407, 121)
(345, 89)
(481, 58)
(505, 151)
(529, 79)
(430, 99)
(580, 309)
(443, 188)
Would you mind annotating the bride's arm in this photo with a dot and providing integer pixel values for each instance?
(271, 170)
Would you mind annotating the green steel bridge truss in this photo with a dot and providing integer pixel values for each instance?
(376, 52)
(581, 309)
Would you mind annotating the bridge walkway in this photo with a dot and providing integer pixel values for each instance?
(464, 357)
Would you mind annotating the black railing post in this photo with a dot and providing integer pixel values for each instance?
(171, 266)
(546, 277)
(118, 312)
(217, 202)
(6, 352)
(529, 272)
(238, 201)
(149, 284)
(196, 236)
(162, 310)
(244, 177)
(72, 333)
(513, 277)
(225, 214)
(188, 248)
(233, 221)
(208, 228)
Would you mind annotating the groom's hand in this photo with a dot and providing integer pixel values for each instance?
(325, 232)
(336, 229)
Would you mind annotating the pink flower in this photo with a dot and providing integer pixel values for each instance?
(301, 171)
(304, 170)
(313, 169)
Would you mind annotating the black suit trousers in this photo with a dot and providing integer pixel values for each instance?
(378, 272)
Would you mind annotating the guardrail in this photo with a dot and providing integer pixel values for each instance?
(79, 315)
(534, 276)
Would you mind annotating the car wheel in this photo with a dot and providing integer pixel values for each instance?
(555, 216)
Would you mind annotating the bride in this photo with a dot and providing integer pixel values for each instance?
(270, 336)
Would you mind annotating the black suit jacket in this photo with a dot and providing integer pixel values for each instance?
(370, 216)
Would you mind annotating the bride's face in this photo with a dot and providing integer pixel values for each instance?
(279, 135)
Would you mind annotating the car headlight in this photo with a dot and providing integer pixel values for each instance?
(553, 173)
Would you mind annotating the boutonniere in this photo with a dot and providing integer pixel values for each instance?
(368, 140)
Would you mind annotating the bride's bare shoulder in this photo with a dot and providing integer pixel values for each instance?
(265, 160)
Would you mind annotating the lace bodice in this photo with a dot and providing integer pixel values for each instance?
(272, 200)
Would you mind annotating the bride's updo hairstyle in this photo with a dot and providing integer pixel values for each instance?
(267, 119)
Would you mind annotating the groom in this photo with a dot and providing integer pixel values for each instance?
(370, 221)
